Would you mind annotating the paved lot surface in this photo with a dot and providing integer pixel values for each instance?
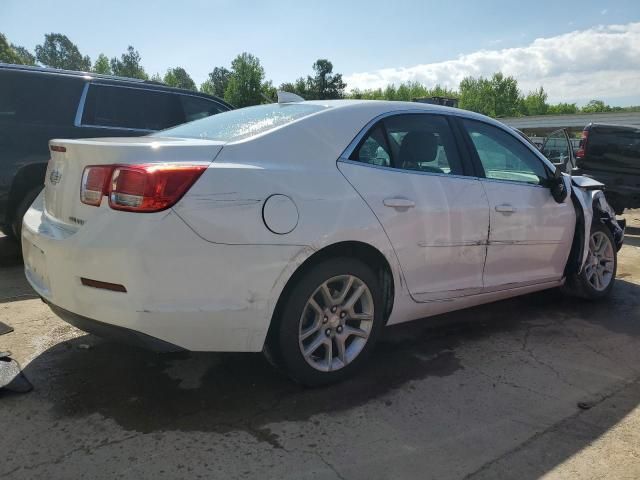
(491, 392)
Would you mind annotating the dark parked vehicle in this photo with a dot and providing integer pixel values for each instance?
(38, 104)
(611, 155)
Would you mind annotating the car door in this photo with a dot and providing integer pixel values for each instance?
(557, 148)
(530, 233)
(409, 171)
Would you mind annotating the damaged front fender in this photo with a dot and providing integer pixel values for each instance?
(591, 206)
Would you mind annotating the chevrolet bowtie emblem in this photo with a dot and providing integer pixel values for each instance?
(55, 176)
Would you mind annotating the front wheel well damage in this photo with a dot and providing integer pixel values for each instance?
(600, 214)
(576, 253)
(364, 252)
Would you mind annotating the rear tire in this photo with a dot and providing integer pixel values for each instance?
(598, 274)
(23, 206)
(329, 324)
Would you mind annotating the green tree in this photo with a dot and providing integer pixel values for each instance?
(178, 77)
(596, 106)
(24, 55)
(269, 92)
(7, 53)
(129, 65)
(535, 103)
(245, 82)
(562, 108)
(217, 82)
(57, 51)
(299, 87)
(156, 77)
(102, 65)
(497, 96)
(324, 84)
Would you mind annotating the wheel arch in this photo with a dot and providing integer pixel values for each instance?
(26, 179)
(362, 251)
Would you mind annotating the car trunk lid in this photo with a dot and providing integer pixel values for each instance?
(70, 157)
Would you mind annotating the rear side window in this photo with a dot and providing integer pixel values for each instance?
(618, 147)
(417, 142)
(244, 122)
(39, 99)
(196, 108)
(134, 108)
(374, 149)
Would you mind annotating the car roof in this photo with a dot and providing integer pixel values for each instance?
(614, 126)
(379, 107)
(107, 79)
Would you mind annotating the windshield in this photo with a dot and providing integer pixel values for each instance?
(242, 123)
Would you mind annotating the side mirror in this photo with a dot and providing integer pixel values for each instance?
(557, 186)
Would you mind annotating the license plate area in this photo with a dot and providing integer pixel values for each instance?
(36, 267)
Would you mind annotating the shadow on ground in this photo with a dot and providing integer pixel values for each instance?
(9, 252)
(148, 392)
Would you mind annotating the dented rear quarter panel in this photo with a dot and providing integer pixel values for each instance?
(225, 206)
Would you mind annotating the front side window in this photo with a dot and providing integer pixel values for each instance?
(134, 108)
(557, 148)
(503, 156)
(416, 142)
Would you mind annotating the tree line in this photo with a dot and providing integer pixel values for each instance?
(244, 82)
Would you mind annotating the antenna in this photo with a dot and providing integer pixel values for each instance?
(287, 97)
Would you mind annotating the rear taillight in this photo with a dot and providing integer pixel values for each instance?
(582, 147)
(95, 182)
(139, 188)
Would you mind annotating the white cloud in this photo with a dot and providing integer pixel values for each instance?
(601, 62)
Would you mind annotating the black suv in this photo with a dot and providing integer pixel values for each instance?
(611, 155)
(38, 104)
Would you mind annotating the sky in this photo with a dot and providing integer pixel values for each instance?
(577, 50)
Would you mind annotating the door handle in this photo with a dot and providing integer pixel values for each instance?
(398, 202)
(505, 208)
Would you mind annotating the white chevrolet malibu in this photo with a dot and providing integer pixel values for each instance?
(303, 228)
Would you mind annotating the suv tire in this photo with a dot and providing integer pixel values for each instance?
(23, 206)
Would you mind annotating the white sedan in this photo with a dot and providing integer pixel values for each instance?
(303, 228)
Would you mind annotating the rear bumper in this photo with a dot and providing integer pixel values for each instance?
(180, 289)
(120, 334)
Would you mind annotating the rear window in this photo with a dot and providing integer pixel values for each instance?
(242, 123)
(135, 108)
(39, 99)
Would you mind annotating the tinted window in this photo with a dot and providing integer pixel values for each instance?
(244, 122)
(374, 149)
(503, 156)
(123, 107)
(417, 142)
(39, 98)
(615, 147)
(196, 108)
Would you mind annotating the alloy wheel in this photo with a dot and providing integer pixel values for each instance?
(600, 261)
(336, 323)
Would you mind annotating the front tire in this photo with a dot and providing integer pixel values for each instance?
(330, 322)
(598, 274)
